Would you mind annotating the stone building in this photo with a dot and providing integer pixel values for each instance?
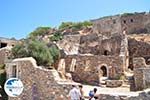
(141, 74)
(107, 53)
(134, 23)
(5, 48)
(89, 58)
(39, 83)
(109, 50)
(4, 42)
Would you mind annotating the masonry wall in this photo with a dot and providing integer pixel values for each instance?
(134, 23)
(87, 68)
(70, 44)
(4, 53)
(107, 26)
(142, 78)
(138, 49)
(141, 74)
(39, 84)
(9, 42)
(96, 45)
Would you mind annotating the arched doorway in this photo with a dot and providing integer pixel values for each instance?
(104, 71)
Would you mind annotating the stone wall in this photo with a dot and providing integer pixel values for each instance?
(142, 78)
(134, 23)
(70, 44)
(8, 42)
(95, 44)
(138, 49)
(141, 74)
(88, 68)
(4, 53)
(107, 26)
(144, 95)
(39, 83)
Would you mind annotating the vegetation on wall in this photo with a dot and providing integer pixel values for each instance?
(56, 36)
(34, 46)
(74, 26)
(39, 31)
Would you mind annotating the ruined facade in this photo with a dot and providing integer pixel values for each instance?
(141, 74)
(105, 54)
(5, 48)
(4, 42)
(39, 83)
(109, 46)
(134, 23)
(94, 57)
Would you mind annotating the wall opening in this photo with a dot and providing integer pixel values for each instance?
(131, 20)
(3, 45)
(106, 52)
(124, 21)
(14, 71)
(104, 70)
(114, 21)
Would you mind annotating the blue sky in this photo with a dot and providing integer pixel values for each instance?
(19, 17)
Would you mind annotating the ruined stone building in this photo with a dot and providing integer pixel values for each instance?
(5, 48)
(109, 50)
(134, 23)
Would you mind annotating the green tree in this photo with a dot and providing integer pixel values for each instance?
(43, 54)
(40, 52)
(55, 52)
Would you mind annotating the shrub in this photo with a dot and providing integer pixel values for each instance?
(39, 31)
(38, 50)
(75, 26)
(19, 51)
(65, 25)
(56, 36)
(54, 52)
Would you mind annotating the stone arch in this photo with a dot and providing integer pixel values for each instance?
(103, 70)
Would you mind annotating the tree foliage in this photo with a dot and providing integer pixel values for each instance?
(54, 52)
(39, 31)
(36, 49)
(56, 36)
(74, 26)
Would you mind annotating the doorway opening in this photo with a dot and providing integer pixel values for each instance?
(3, 45)
(104, 71)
